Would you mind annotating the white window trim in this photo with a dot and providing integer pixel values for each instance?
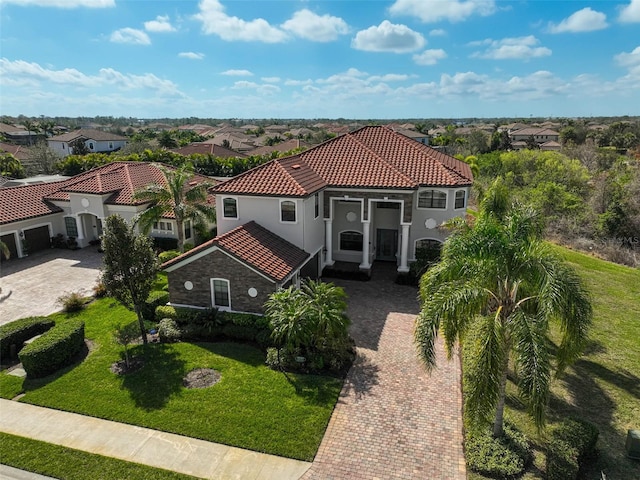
(349, 230)
(65, 225)
(295, 211)
(237, 210)
(164, 230)
(184, 228)
(465, 199)
(316, 205)
(213, 295)
(446, 198)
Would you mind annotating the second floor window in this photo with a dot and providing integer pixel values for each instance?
(288, 211)
(229, 208)
(460, 199)
(432, 199)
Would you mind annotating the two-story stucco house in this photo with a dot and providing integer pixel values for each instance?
(96, 141)
(31, 215)
(369, 195)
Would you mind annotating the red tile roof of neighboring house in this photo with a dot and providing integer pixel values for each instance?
(205, 148)
(256, 247)
(371, 157)
(89, 134)
(120, 179)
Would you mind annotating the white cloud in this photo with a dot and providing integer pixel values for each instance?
(436, 11)
(63, 3)
(130, 35)
(260, 89)
(631, 59)
(437, 32)
(33, 74)
(270, 79)
(237, 73)
(518, 48)
(191, 55)
(429, 57)
(389, 77)
(630, 13)
(388, 37)
(585, 20)
(317, 28)
(160, 25)
(297, 83)
(216, 22)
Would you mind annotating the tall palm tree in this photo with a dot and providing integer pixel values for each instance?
(178, 197)
(499, 282)
(4, 250)
(31, 127)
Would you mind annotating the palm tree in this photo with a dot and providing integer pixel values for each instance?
(177, 197)
(31, 127)
(4, 250)
(501, 284)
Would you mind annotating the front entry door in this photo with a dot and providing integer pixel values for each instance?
(386, 244)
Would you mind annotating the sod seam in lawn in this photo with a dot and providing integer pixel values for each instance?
(251, 407)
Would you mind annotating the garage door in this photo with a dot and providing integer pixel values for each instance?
(37, 239)
(10, 241)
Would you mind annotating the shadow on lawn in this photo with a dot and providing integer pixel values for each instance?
(152, 386)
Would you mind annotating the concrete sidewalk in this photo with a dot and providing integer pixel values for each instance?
(142, 445)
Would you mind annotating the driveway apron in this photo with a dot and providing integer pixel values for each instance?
(393, 420)
(32, 285)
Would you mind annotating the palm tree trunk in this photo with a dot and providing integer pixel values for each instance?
(180, 227)
(498, 423)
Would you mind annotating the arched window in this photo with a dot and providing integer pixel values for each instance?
(428, 249)
(461, 199)
(432, 199)
(351, 240)
(287, 211)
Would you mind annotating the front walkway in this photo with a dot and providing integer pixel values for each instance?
(392, 420)
(32, 285)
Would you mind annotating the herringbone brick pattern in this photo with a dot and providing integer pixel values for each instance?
(393, 420)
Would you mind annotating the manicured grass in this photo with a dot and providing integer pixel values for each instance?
(602, 387)
(251, 407)
(61, 462)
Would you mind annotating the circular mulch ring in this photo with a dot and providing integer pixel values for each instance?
(120, 368)
(201, 378)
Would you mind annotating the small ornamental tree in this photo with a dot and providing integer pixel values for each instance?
(125, 335)
(129, 266)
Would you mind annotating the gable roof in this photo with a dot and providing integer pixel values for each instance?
(89, 134)
(371, 157)
(256, 247)
(120, 179)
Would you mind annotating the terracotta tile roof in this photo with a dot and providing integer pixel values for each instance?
(256, 247)
(371, 157)
(206, 148)
(89, 134)
(120, 179)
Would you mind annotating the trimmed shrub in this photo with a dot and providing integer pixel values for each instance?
(571, 445)
(55, 350)
(168, 255)
(503, 457)
(71, 302)
(166, 311)
(168, 331)
(240, 332)
(154, 300)
(18, 332)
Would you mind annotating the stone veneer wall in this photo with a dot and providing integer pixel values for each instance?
(407, 197)
(219, 265)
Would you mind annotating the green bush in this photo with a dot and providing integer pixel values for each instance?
(54, 350)
(71, 302)
(18, 332)
(154, 300)
(166, 311)
(240, 332)
(503, 457)
(571, 445)
(168, 331)
(168, 255)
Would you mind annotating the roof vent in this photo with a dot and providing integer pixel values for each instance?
(296, 166)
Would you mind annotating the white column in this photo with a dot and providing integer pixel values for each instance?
(79, 228)
(404, 249)
(328, 242)
(365, 265)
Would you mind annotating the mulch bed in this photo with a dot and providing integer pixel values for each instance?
(120, 367)
(201, 378)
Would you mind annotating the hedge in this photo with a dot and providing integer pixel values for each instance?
(18, 332)
(57, 349)
(571, 445)
(154, 300)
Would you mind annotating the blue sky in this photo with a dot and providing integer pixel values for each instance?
(319, 59)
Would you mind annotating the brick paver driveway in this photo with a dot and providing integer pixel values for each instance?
(392, 420)
(32, 285)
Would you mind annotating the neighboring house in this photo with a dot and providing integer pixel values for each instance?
(18, 151)
(414, 135)
(203, 148)
(279, 147)
(77, 207)
(370, 195)
(96, 141)
(540, 135)
(551, 146)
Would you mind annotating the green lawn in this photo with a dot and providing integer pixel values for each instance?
(61, 462)
(251, 407)
(602, 387)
